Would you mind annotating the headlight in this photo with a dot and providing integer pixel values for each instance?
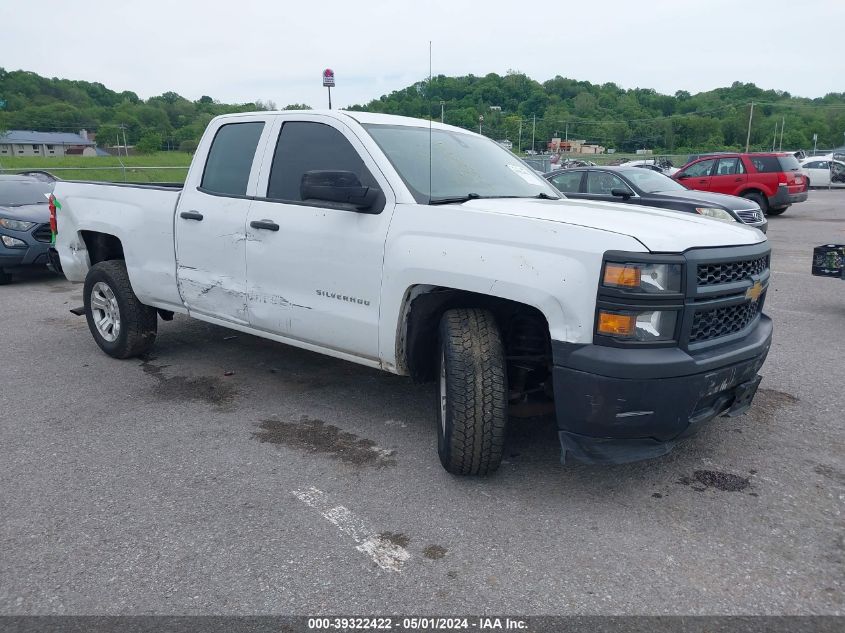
(642, 277)
(715, 213)
(16, 225)
(12, 242)
(649, 325)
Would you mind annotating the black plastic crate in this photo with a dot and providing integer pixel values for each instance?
(829, 260)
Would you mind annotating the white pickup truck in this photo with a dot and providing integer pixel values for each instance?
(429, 251)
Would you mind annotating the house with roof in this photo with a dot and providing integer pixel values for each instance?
(26, 143)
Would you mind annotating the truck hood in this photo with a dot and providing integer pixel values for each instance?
(660, 231)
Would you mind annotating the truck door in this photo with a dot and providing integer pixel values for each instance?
(211, 220)
(314, 268)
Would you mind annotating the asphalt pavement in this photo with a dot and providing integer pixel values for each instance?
(227, 474)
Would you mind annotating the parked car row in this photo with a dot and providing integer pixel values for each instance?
(645, 187)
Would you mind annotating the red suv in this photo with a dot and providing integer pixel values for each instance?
(774, 181)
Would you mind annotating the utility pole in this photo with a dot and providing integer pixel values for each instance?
(533, 130)
(442, 111)
(567, 132)
(782, 123)
(519, 148)
(748, 138)
(122, 127)
(480, 120)
(775, 137)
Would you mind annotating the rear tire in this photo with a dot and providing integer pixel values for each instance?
(472, 389)
(121, 325)
(5, 278)
(759, 199)
(777, 211)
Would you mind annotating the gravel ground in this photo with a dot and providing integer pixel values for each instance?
(228, 474)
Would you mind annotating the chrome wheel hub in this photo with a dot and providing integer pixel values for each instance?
(105, 311)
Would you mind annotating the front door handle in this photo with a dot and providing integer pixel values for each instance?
(191, 215)
(266, 225)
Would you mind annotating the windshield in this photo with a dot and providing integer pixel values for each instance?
(789, 163)
(16, 193)
(461, 165)
(651, 181)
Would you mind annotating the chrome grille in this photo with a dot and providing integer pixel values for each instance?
(711, 274)
(750, 216)
(710, 324)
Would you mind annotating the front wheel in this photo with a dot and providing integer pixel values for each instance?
(121, 325)
(5, 278)
(472, 389)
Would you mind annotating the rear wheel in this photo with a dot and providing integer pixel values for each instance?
(777, 211)
(121, 325)
(759, 199)
(472, 393)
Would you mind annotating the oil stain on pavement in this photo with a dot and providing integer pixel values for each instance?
(316, 436)
(726, 482)
(209, 389)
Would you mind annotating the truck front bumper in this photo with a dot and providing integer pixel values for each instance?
(620, 405)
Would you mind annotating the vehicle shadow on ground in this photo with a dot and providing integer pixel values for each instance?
(532, 455)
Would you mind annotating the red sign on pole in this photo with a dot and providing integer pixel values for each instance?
(328, 78)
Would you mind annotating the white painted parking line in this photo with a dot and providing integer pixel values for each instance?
(386, 554)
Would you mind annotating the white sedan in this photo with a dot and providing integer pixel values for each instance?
(819, 170)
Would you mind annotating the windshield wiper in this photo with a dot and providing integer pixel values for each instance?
(454, 199)
(545, 196)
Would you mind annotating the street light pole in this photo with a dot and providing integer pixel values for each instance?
(533, 130)
(442, 111)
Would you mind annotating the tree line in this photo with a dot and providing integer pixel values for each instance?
(510, 107)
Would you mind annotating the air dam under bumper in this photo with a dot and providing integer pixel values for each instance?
(622, 405)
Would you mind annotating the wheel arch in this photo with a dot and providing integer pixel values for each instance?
(423, 307)
(102, 247)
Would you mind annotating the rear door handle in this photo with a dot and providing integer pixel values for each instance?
(266, 225)
(191, 215)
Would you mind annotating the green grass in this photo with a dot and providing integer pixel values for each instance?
(107, 168)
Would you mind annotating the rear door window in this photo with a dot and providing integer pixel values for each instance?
(729, 167)
(568, 181)
(230, 158)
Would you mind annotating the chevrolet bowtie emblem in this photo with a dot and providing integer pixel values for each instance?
(754, 292)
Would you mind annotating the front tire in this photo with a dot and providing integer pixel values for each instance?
(5, 278)
(121, 325)
(472, 393)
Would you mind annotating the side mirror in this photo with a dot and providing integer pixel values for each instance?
(343, 187)
(681, 176)
(620, 193)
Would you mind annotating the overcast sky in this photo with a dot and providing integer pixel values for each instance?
(239, 51)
